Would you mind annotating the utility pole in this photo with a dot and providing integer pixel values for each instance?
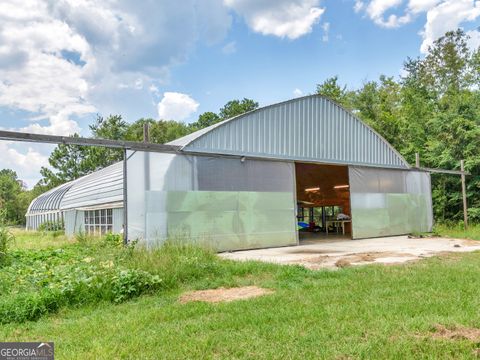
(417, 160)
(464, 194)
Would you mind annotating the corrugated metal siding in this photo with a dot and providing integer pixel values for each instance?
(74, 222)
(311, 128)
(101, 187)
(117, 220)
(69, 220)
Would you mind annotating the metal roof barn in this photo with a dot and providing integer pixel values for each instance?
(245, 183)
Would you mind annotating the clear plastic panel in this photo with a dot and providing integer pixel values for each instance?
(389, 202)
(223, 203)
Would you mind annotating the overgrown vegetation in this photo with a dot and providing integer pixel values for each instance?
(370, 312)
(6, 238)
(55, 226)
(35, 282)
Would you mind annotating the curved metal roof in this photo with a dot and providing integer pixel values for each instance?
(311, 128)
(50, 200)
(104, 186)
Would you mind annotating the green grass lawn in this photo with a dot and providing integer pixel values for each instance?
(369, 312)
(38, 240)
(458, 231)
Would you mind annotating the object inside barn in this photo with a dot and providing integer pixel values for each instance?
(323, 199)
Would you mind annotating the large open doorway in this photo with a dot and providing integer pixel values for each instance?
(323, 202)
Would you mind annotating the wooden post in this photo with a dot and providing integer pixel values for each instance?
(417, 160)
(464, 193)
(146, 128)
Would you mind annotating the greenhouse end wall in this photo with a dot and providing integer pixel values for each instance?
(224, 203)
(387, 202)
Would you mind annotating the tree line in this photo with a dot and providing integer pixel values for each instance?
(432, 109)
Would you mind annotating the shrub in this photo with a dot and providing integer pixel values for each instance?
(113, 239)
(5, 239)
(131, 283)
(52, 226)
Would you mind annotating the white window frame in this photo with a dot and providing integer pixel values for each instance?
(98, 222)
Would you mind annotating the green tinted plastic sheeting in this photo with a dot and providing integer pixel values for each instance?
(389, 202)
(222, 220)
(223, 203)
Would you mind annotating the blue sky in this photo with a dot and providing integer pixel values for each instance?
(64, 62)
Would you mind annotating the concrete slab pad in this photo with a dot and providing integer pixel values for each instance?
(339, 253)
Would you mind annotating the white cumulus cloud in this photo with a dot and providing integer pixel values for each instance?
(376, 10)
(283, 18)
(26, 164)
(418, 6)
(441, 16)
(63, 60)
(176, 106)
(446, 16)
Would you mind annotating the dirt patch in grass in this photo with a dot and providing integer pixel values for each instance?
(469, 242)
(341, 263)
(348, 260)
(456, 333)
(224, 295)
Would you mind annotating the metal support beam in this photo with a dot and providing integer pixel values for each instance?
(68, 140)
(125, 199)
(442, 171)
(464, 195)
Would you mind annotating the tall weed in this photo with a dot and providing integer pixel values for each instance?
(41, 281)
(6, 238)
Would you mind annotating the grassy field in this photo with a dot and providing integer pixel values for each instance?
(458, 231)
(369, 312)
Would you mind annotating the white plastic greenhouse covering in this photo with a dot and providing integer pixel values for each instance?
(226, 203)
(389, 202)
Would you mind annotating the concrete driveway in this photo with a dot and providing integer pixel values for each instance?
(339, 253)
